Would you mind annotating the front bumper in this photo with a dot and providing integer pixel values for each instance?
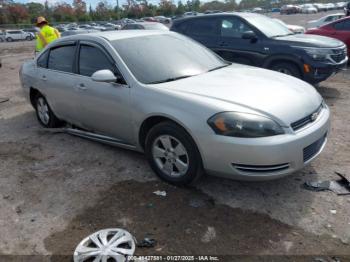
(320, 71)
(264, 158)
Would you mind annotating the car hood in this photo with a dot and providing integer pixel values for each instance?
(279, 96)
(311, 41)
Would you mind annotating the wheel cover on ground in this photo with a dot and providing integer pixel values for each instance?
(112, 244)
(170, 156)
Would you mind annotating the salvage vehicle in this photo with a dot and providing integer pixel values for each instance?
(340, 29)
(190, 112)
(258, 40)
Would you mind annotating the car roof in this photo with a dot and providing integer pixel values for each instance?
(240, 14)
(117, 35)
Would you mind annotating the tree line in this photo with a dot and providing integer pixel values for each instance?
(17, 13)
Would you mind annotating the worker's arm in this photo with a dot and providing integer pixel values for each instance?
(42, 38)
(58, 35)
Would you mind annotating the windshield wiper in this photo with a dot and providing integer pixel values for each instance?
(170, 79)
(222, 66)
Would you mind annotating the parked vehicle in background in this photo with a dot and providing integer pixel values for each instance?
(324, 20)
(163, 19)
(258, 40)
(190, 14)
(276, 10)
(15, 35)
(188, 112)
(297, 29)
(289, 9)
(347, 9)
(339, 29)
(2, 37)
(78, 32)
(308, 9)
(145, 26)
(149, 19)
(257, 10)
(320, 7)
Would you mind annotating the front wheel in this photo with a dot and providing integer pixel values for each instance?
(9, 39)
(172, 154)
(44, 113)
(29, 38)
(286, 68)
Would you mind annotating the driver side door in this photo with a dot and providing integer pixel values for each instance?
(231, 45)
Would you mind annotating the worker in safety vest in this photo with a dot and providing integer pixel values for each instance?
(46, 35)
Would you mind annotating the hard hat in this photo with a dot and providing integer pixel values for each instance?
(40, 20)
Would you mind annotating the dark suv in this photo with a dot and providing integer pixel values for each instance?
(257, 40)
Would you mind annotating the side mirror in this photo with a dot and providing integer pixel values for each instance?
(106, 76)
(250, 35)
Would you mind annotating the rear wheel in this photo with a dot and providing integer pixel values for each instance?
(44, 113)
(172, 154)
(286, 68)
(9, 39)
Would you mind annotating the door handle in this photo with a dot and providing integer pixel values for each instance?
(81, 86)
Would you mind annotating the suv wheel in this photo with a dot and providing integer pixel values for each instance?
(44, 113)
(29, 38)
(172, 154)
(9, 39)
(286, 68)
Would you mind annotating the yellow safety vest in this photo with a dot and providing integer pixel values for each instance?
(46, 35)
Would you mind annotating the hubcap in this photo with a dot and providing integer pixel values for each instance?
(106, 245)
(170, 156)
(43, 111)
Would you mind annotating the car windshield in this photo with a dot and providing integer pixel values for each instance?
(166, 57)
(268, 26)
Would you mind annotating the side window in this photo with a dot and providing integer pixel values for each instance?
(42, 60)
(339, 26)
(233, 27)
(92, 59)
(202, 27)
(61, 58)
(346, 25)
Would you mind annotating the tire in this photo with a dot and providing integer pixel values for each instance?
(44, 114)
(286, 68)
(9, 39)
(172, 154)
(28, 38)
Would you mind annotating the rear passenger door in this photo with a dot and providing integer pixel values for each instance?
(232, 47)
(343, 31)
(57, 81)
(104, 107)
(203, 30)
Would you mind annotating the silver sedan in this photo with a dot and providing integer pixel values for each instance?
(190, 111)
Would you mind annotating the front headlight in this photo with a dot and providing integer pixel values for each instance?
(318, 54)
(244, 125)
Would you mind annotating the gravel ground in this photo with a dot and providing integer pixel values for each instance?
(55, 189)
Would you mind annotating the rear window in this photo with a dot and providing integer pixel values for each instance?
(61, 58)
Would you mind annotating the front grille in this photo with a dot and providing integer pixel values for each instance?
(311, 150)
(261, 169)
(306, 120)
(338, 55)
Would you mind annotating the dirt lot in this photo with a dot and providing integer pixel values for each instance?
(55, 189)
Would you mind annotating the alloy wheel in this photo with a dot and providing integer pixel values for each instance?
(170, 156)
(113, 244)
(43, 111)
